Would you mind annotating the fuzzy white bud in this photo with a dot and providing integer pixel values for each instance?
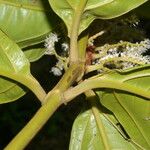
(56, 71)
(50, 43)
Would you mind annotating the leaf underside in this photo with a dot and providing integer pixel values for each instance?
(26, 22)
(86, 136)
(34, 54)
(13, 60)
(132, 111)
(97, 9)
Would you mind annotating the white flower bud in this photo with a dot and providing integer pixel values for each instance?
(56, 71)
(65, 47)
(50, 43)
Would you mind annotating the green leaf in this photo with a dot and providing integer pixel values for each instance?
(12, 60)
(136, 81)
(94, 9)
(26, 22)
(86, 136)
(132, 111)
(137, 78)
(34, 54)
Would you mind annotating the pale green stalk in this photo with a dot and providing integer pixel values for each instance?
(55, 97)
(74, 55)
(115, 59)
(92, 99)
(27, 80)
(52, 101)
(104, 83)
(36, 123)
(82, 44)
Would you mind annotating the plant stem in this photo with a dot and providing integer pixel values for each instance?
(36, 123)
(74, 32)
(55, 97)
(69, 77)
(115, 60)
(104, 83)
(27, 80)
(91, 97)
(52, 101)
(76, 70)
(82, 44)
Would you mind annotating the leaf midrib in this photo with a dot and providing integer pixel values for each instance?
(136, 124)
(86, 125)
(10, 63)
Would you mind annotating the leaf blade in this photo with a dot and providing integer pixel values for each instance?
(12, 59)
(34, 54)
(104, 9)
(130, 110)
(129, 107)
(85, 134)
(26, 22)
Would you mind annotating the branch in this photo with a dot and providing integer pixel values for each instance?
(54, 98)
(36, 123)
(52, 101)
(27, 80)
(74, 32)
(103, 83)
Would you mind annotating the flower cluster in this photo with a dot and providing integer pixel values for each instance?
(58, 68)
(51, 50)
(122, 55)
(50, 43)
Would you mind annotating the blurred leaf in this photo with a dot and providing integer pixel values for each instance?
(86, 136)
(12, 60)
(34, 54)
(144, 10)
(26, 21)
(95, 9)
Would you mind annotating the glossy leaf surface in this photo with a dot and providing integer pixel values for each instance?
(86, 136)
(132, 111)
(25, 21)
(94, 9)
(13, 60)
(34, 54)
(137, 78)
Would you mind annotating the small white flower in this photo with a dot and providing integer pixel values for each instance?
(65, 46)
(100, 71)
(135, 23)
(108, 56)
(58, 68)
(127, 65)
(56, 71)
(50, 43)
(130, 55)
